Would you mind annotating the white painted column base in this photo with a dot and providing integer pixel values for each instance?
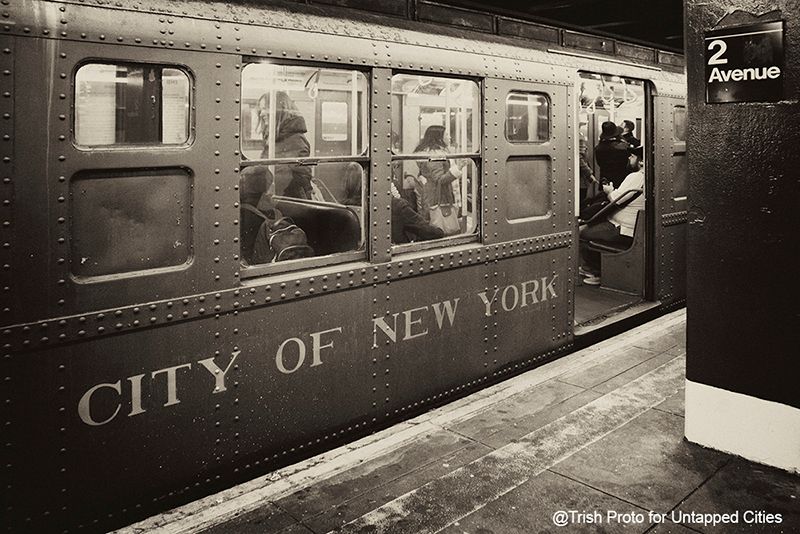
(762, 431)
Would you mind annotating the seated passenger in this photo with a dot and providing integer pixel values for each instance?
(291, 180)
(620, 225)
(266, 235)
(352, 185)
(253, 185)
(408, 225)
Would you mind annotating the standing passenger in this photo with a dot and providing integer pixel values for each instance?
(435, 195)
(627, 133)
(611, 154)
(290, 142)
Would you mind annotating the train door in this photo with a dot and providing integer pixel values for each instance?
(670, 199)
(528, 203)
(612, 195)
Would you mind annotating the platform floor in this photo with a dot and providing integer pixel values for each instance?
(598, 432)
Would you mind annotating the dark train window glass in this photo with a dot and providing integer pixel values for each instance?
(679, 175)
(127, 221)
(131, 104)
(528, 182)
(527, 118)
(433, 199)
(679, 123)
(299, 111)
(420, 102)
(331, 219)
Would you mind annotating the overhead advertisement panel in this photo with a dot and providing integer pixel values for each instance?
(745, 63)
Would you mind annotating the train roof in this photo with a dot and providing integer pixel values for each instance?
(239, 27)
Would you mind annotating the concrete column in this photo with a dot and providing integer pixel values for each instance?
(743, 303)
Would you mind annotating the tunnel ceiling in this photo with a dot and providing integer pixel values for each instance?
(655, 22)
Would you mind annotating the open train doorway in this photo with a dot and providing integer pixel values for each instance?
(611, 195)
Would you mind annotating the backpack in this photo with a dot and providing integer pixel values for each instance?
(288, 241)
(278, 239)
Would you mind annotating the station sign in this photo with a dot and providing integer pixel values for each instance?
(745, 63)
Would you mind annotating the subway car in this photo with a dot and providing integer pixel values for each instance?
(235, 235)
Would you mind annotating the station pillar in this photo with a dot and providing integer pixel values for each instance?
(743, 265)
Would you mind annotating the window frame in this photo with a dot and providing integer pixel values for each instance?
(117, 147)
(361, 255)
(549, 118)
(476, 235)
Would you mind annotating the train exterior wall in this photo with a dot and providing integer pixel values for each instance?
(132, 393)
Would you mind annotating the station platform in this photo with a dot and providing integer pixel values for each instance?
(592, 442)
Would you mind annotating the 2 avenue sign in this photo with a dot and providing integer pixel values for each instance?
(745, 63)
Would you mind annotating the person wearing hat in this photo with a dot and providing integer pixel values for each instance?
(611, 154)
(620, 225)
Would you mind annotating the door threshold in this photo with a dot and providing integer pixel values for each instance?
(615, 316)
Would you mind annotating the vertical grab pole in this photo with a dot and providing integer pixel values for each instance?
(353, 112)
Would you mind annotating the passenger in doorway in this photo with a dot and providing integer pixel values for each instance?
(618, 229)
(407, 224)
(611, 154)
(627, 133)
(290, 142)
(587, 179)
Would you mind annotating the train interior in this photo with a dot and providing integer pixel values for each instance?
(302, 123)
(610, 281)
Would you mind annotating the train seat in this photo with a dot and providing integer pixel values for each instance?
(330, 228)
(622, 263)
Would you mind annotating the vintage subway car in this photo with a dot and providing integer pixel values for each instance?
(151, 356)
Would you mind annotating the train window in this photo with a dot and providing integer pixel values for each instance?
(330, 217)
(298, 124)
(527, 118)
(679, 123)
(291, 111)
(131, 104)
(528, 180)
(679, 176)
(125, 221)
(419, 102)
(433, 198)
(436, 144)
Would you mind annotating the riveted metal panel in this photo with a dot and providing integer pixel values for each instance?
(668, 58)
(246, 391)
(398, 8)
(671, 203)
(527, 30)
(636, 52)
(531, 307)
(589, 42)
(499, 151)
(11, 296)
(429, 361)
(473, 20)
(210, 160)
(380, 214)
(278, 33)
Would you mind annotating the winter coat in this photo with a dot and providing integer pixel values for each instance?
(612, 156)
(290, 142)
(408, 225)
(437, 187)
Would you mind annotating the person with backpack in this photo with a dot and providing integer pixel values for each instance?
(266, 235)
